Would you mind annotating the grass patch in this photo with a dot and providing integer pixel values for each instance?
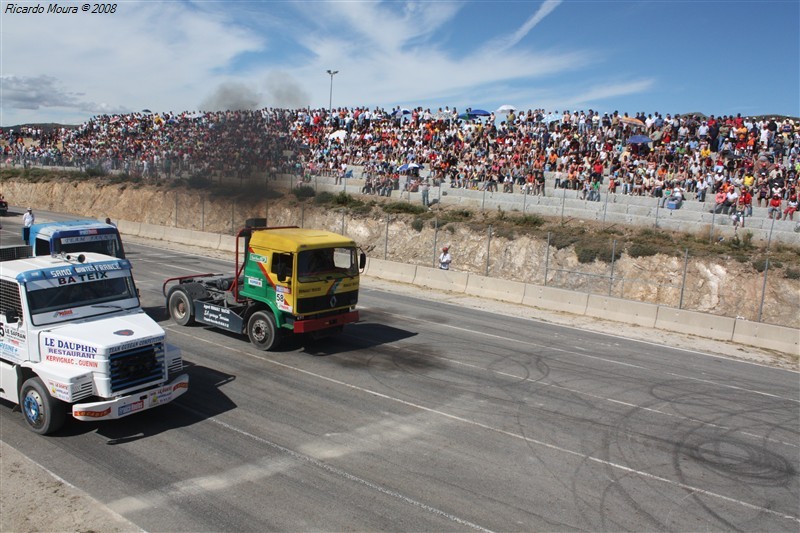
(791, 273)
(404, 208)
(590, 250)
(199, 180)
(527, 221)
(642, 249)
(304, 191)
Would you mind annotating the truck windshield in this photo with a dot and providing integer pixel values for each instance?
(100, 293)
(324, 263)
(107, 244)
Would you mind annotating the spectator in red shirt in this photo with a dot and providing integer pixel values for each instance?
(774, 208)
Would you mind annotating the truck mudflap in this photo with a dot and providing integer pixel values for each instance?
(134, 403)
(316, 324)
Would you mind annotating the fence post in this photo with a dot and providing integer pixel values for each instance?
(203, 213)
(176, 209)
(343, 219)
(233, 210)
(386, 240)
(435, 239)
(683, 281)
(769, 239)
(303, 216)
(658, 206)
(763, 287)
(713, 217)
(524, 200)
(488, 245)
(563, 199)
(483, 201)
(613, 258)
(605, 207)
(547, 258)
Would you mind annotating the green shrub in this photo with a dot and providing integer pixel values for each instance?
(304, 191)
(404, 207)
(417, 224)
(363, 209)
(588, 251)
(95, 172)
(528, 221)
(760, 264)
(324, 198)
(642, 249)
(562, 239)
(791, 273)
(199, 181)
(458, 215)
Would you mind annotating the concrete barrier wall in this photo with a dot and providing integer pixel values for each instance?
(436, 278)
(227, 243)
(151, 231)
(391, 271)
(129, 228)
(785, 340)
(695, 323)
(627, 311)
(497, 289)
(554, 299)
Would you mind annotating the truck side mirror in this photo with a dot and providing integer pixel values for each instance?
(362, 261)
(10, 315)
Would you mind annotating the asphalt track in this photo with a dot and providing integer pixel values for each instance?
(432, 417)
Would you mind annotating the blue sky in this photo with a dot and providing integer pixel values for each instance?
(716, 57)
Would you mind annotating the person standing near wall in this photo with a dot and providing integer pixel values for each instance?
(445, 259)
(424, 189)
(27, 221)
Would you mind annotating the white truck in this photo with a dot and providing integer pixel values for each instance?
(74, 339)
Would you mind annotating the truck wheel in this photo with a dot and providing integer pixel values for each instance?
(43, 413)
(180, 308)
(263, 332)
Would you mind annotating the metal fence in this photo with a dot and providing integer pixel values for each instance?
(684, 282)
(770, 296)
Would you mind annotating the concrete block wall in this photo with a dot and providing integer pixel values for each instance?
(694, 216)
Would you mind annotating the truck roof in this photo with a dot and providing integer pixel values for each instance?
(297, 239)
(43, 263)
(49, 228)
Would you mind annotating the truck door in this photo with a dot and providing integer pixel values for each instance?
(13, 330)
(282, 272)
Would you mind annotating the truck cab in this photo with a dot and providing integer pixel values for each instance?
(288, 280)
(74, 340)
(74, 236)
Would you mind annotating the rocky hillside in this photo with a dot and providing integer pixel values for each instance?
(648, 266)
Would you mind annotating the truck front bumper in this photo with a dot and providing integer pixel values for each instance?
(316, 324)
(127, 405)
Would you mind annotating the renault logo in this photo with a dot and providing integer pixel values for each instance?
(333, 301)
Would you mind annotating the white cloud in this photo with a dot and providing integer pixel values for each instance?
(173, 56)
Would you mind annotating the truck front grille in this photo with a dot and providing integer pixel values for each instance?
(326, 302)
(137, 367)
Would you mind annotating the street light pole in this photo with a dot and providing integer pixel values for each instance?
(330, 98)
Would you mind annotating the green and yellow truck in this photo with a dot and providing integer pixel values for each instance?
(287, 280)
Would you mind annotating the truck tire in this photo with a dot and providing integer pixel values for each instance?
(263, 332)
(43, 413)
(180, 308)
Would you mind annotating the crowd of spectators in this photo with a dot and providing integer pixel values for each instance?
(688, 157)
(168, 144)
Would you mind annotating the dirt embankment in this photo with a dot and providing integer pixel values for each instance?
(718, 285)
